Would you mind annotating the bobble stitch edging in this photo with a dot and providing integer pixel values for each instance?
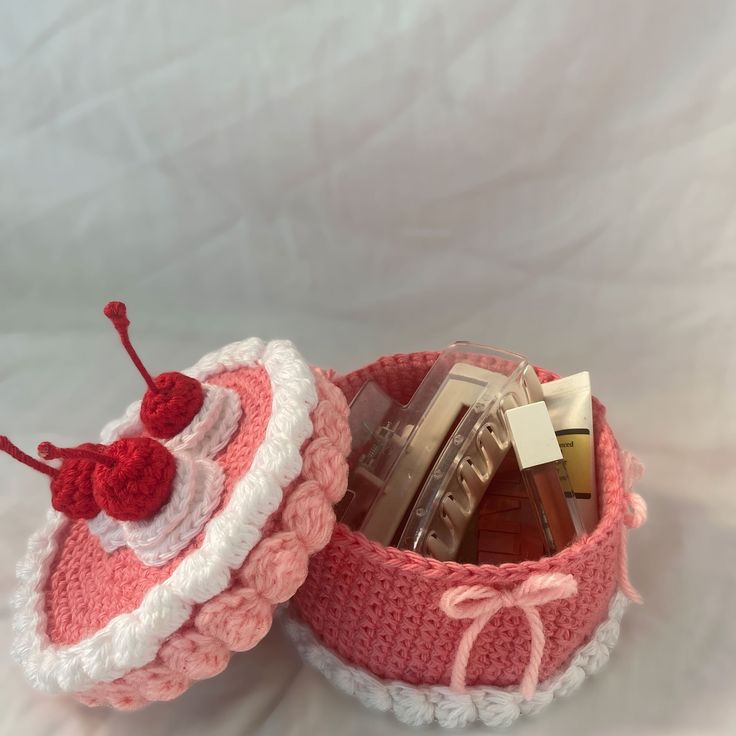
(130, 640)
(420, 705)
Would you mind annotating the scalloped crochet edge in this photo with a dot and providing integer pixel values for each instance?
(420, 705)
(131, 641)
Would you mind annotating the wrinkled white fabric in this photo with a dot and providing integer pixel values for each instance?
(364, 178)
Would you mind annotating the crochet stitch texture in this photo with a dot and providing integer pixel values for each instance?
(71, 487)
(114, 631)
(378, 608)
(495, 707)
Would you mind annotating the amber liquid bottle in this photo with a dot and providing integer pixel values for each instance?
(544, 475)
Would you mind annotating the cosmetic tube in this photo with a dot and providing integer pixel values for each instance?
(570, 408)
(545, 475)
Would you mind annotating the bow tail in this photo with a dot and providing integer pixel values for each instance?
(623, 571)
(531, 673)
(634, 516)
(460, 665)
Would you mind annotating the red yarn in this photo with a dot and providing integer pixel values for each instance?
(71, 484)
(93, 453)
(171, 407)
(17, 454)
(117, 313)
(71, 487)
(172, 399)
(139, 483)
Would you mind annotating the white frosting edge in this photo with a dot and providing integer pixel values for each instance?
(197, 487)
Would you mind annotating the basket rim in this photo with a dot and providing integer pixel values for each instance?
(609, 475)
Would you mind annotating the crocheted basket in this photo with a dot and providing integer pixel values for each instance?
(455, 643)
(172, 542)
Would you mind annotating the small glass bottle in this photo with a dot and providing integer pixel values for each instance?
(545, 474)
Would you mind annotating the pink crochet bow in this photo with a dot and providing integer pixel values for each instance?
(481, 604)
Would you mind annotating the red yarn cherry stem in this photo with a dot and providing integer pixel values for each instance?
(52, 452)
(117, 313)
(17, 454)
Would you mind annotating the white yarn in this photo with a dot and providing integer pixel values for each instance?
(196, 491)
(110, 532)
(129, 425)
(213, 425)
(420, 705)
(131, 640)
(208, 432)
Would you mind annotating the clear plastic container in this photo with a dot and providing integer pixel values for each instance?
(419, 471)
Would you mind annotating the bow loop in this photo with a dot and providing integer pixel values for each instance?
(470, 601)
(635, 513)
(540, 589)
(632, 468)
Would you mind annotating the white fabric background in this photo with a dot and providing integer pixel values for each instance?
(555, 178)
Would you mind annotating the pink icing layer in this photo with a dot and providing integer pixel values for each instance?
(87, 587)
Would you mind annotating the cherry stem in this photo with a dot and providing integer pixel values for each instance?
(17, 454)
(117, 313)
(49, 451)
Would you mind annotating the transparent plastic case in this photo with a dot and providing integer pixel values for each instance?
(419, 472)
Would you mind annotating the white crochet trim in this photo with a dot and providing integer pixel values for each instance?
(132, 640)
(419, 705)
(197, 488)
(129, 425)
(208, 432)
(195, 494)
(213, 425)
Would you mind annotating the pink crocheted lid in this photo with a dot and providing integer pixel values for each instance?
(382, 609)
(123, 612)
(88, 586)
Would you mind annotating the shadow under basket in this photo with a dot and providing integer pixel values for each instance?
(458, 643)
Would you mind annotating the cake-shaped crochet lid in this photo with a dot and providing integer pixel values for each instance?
(172, 539)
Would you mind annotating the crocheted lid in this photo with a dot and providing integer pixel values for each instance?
(173, 539)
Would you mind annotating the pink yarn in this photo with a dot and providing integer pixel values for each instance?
(379, 607)
(194, 654)
(277, 567)
(158, 682)
(481, 604)
(238, 618)
(635, 513)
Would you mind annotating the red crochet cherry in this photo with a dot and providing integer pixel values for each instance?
(133, 478)
(174, 403)
(71, 487)
(71, 483)
(172, 399)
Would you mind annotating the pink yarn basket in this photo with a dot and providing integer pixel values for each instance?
(378, 607)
